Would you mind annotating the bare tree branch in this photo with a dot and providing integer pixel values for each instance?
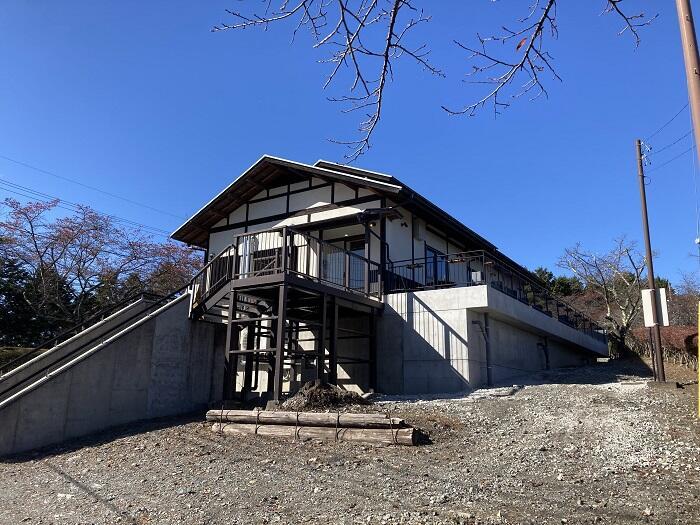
(366, 38)
(502, 73)
(615, 277)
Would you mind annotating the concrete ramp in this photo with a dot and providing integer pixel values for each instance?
(146, 361)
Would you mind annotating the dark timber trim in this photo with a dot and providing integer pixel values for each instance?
(282, 216)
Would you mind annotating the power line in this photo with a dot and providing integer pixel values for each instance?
(666, 124)
(104, 192)
(51, 239)
(71, 206)
(655, 152)
(671, 159)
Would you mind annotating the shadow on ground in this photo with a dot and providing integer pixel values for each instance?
(629, 367)
(103, 437)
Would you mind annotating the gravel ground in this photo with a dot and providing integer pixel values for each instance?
(596, 445)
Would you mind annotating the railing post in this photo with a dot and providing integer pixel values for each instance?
(367, 257)
(285, 247)
(346, 277)
(234, 262)
(308, 254)
(319, 254)
(383, 254)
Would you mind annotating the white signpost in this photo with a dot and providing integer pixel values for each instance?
(652, 318)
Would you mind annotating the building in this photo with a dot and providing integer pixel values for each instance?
(328, 271)
(312, 272)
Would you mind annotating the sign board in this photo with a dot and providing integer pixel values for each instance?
(650, 317)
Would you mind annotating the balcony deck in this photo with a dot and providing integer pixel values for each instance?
(270, 257)
(476, 268)
(273, 256)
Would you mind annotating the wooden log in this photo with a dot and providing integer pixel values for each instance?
(306, 419)
(377, 436)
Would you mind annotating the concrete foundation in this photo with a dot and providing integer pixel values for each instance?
(166, 366)
(451, 340)
(430, 341)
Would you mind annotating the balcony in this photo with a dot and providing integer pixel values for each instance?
(266, 257)
(480, 268)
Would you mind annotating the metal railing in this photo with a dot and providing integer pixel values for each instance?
(41, 369)
(480, 268)
(285, 250)
(65, 335)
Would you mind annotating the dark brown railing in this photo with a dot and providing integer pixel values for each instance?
(479, 268)
(254, 255)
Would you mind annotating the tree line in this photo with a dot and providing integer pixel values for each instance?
(57, 271)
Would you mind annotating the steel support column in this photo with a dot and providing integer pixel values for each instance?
(333, 344)
(321, 343)
(279, 341)
(373, 350)
(231, 360)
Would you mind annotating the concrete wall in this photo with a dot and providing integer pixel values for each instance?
(422, 345)
(435, 341)
(168, 365)
(15, 378)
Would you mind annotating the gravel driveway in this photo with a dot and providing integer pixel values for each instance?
(592, 445)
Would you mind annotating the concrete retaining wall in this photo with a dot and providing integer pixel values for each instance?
(17, 377)
(434, 341)
(168, 365)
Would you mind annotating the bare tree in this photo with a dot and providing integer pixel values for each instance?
(367, 37)
(614, 280)
(683, 301)
(84, 260)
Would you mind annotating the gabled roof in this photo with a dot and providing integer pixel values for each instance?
(261, 175)
(268, 170)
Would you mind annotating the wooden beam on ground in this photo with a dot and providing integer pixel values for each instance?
(309, 419)
(377, 436)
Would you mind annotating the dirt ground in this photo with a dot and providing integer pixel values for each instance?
(592, 445)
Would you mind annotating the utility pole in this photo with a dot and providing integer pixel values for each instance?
(655, 331)
(692, 74)
(692, 64)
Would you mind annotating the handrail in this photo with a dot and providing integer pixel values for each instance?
(74, 330)
(65, 366)
(481, 267)
(140, 314)
(290, 254)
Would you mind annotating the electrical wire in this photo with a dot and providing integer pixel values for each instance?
(30, 193)
(671, 159)
(93, 188)
(666, 124)
(71, 206)
(51, 239)
(656, 152)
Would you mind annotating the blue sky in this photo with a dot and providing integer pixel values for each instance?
(142, 100)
